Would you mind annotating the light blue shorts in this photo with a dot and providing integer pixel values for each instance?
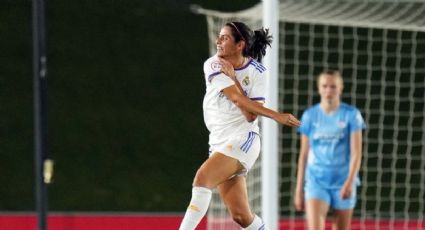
(331, 197)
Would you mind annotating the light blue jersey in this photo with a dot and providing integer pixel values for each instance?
(329, 140)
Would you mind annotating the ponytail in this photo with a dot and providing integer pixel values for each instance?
(261, 40)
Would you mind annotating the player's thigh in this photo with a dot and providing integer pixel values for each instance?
(343, 210)
(216, 169)
(316, 212)
(342, 219)
(234, 194)
(317, 202)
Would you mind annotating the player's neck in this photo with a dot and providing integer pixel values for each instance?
(238, 62)
(329, 106)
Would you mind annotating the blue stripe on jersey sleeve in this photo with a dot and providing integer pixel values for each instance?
(258, 66)
(258, 98)
(213, 75)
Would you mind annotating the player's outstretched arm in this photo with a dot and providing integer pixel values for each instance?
(244, 103)
(228, 70)
(250, 117)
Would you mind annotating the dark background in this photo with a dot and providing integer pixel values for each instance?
(125, 89)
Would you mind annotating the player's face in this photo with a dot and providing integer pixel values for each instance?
(330, 88)
(226, 46)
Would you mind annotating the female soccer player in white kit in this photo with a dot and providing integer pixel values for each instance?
(235, 84)
(330, 156)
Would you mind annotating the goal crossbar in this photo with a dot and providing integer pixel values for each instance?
(399, 15)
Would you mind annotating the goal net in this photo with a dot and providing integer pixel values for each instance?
(380, 48)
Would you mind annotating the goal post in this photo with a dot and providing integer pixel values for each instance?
(270, 129)
(379, 45)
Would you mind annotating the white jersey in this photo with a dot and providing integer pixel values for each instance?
(222, 117)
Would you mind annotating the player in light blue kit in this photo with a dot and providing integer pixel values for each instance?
(330, 156)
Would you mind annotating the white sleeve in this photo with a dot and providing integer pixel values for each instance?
(221, 81)
(214, 76)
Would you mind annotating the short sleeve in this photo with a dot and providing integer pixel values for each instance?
(356, 121)
(305, 123)
(221, 81)
(214, 76)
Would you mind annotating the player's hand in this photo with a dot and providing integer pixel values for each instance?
(227, 68)
(346, 190)
(287, 119)
(299, 200)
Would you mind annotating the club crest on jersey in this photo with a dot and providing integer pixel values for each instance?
(245, 81)
(216, 66)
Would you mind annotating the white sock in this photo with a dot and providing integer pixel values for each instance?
(198, 206)
(257, 224)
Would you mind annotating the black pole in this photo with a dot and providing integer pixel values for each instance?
(40, 99)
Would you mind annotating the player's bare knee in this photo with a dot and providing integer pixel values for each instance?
(241, 219)
(201, 179)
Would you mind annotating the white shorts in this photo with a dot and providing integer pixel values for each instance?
(245, 148)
